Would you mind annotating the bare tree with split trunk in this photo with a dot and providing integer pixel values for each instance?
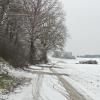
(31, 28)
(46, 19)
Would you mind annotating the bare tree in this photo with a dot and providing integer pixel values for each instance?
(13, 45)
(47, 24)
(31, 28)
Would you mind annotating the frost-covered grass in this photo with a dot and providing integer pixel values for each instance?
(11, 79)
(6, 82)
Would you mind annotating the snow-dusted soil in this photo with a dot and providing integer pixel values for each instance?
(85, 78)
(44, 85)
(61, 80)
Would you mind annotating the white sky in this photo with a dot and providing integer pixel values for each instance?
(83, 23)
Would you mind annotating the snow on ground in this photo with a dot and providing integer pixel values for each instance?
(52, 89)
(41, 87)
(83, 77)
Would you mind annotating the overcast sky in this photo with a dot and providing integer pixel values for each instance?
(83, 23)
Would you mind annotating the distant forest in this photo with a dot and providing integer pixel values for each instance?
(90, 56)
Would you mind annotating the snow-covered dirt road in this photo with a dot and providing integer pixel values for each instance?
(73, 93)
(85, 78)
(46, 84)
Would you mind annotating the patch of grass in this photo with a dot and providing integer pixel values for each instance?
(6, 82)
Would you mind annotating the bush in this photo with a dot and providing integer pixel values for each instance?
(13, 53)
(88, 62)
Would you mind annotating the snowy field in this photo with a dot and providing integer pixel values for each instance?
(77, 80)
(85, 78)
(44, 85)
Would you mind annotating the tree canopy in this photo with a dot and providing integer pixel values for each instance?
(31, 26)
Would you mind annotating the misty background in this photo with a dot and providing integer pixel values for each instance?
(83, 24)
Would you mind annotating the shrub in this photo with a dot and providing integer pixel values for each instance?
(88, 62)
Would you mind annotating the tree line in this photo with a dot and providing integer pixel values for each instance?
(29, 29)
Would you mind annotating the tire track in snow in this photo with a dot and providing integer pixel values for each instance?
(73, 93)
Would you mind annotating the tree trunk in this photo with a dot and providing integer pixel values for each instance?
(31, 52)
(44, 58)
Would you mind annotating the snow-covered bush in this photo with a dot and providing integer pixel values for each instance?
(88, 62)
